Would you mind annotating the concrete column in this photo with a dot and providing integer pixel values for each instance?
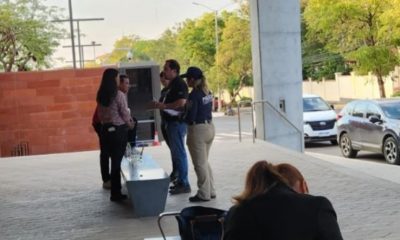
(276, 49)
(337, 80)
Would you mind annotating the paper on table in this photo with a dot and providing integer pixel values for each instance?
(172, 112)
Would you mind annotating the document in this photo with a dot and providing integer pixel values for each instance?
(172, 112)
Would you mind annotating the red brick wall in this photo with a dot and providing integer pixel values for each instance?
(50, 110)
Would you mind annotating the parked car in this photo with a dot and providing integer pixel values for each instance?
(319, 120)
(370, 125)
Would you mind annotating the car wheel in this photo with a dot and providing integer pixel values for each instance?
(345, 146)
(334, 142)
(391, 151)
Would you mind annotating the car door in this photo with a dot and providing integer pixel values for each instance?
(372, 133)
(356, 123)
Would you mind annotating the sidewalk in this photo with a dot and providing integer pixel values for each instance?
(59, 196)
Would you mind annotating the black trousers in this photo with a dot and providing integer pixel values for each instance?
(104, 157)
(132, 133)
(164, 124)
(113, 140)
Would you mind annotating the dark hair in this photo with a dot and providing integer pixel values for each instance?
(259, 178)
(173, 64)
(122, 77)
(108, 87)
(162, 74)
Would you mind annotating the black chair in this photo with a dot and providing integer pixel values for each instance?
(198, 223)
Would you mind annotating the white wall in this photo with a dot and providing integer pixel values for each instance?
(353, 86)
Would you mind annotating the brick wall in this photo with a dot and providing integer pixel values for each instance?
(49, 111)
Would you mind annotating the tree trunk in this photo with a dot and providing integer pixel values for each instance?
(381, 85)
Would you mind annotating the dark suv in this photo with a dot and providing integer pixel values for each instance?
(370, 125)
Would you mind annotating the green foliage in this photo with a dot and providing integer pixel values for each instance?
(27, 37)
(234, 56)
(378, 59)
(396, 94)
(390, 24)
(318, 62)
(121, 48)
(143, 50)
(323, 64)
(161, 49)
(197, 40)
(358, 30)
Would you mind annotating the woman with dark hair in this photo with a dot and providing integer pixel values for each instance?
(112, 110)
(269, 209)
(201, 132)
(294, 177)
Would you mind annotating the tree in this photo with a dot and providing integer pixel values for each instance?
(197, 41)
(358, 30)
(234, 56)
(27, 36)
(161, 49)
(318, 62)
(157, 50)
(121, 48)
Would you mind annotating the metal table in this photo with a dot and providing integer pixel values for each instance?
(147, 184)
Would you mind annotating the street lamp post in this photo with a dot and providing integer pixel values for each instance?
(72, 33)
(216, 50)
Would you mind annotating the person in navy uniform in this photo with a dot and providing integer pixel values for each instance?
(173, 107)
(201, 132)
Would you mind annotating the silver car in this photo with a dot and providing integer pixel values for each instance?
(370, 125)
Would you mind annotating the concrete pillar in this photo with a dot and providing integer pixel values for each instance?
(276, 50)
(337, 80)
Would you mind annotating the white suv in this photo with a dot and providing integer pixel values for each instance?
(319, 120)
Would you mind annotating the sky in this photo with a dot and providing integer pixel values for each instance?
(145, 18)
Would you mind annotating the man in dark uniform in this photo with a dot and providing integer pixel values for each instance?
(173, 107)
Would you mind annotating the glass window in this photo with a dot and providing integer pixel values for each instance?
(372, 110)
(314, 104)
(391, 110)
(359, 109)
(348, 109)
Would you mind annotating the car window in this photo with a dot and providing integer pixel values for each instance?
(372, 110)
(391, 110)
(314, 104)
(359, 109)
(348, 109)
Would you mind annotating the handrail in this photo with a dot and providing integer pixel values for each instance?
(253, 104)
(239, 122)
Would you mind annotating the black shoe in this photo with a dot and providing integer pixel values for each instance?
(178, 189)
(173, 177)
(196, 198)
(118, 198)
(174, 184)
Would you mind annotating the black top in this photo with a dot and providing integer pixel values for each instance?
(282, 214)
(199, 106)
(178, 89)
(163, 94)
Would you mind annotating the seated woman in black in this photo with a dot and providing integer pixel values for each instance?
(269, 209)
